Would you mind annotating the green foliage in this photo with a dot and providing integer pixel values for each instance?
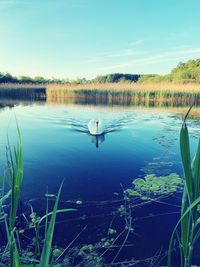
(15, 163)
(33, 265)
(153, 185)
(46, 252)
(14, 171)
(184, 73)
(189, 220)
(112, 231)
(187, 72)
(116, 77)
(109, 78)
(154, 78)
(16, 176)
(7, 78)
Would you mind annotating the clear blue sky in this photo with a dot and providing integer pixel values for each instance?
(84, 38)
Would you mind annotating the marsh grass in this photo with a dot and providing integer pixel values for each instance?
(126, 93)
(22, 91)
(15, 166)
(121, 92)
(189, 219)
(127, 86)
(14, 172)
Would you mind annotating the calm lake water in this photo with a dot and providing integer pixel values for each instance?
(137, 141)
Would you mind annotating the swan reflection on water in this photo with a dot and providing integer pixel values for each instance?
(97, 139)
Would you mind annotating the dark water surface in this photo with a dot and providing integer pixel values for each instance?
(137, 141)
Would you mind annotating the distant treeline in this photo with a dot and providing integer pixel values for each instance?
(188, 72)
(109, 78)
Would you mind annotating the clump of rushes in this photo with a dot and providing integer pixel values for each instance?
(15, 167)
(189, 220)
(15, 164)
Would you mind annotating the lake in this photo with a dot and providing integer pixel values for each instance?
(96, 171)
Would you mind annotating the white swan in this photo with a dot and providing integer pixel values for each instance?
(95, 127)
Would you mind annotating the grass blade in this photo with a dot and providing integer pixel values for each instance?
(46, 252)
(188, 210)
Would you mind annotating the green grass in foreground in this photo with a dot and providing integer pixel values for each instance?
(189, 219)
(33, 265)
(15, 174)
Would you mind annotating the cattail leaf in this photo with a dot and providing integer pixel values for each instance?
(184, 224)
(186, 161)
(186, 212)
(196, 171)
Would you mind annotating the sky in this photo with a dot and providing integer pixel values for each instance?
(86, 38)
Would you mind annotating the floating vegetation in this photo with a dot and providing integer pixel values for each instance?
(153, 185)
(159, 166)
(86, 255)
(112, 231)
(79, 202)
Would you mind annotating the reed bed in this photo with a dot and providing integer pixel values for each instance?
(194, 87)
(126, 92)
(14, 173)
(21, 86)
(124, 100)
(121, 92)
(22, 91)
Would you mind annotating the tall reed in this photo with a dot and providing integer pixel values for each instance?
(189, 219)
(15, 171)
(126, 92)
(15, 164)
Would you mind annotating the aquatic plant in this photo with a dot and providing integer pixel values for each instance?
(46, 251)
(147, 94)
(152, 185)
(189, 219)
(15, 165)
(14, 172)
(23, 92)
